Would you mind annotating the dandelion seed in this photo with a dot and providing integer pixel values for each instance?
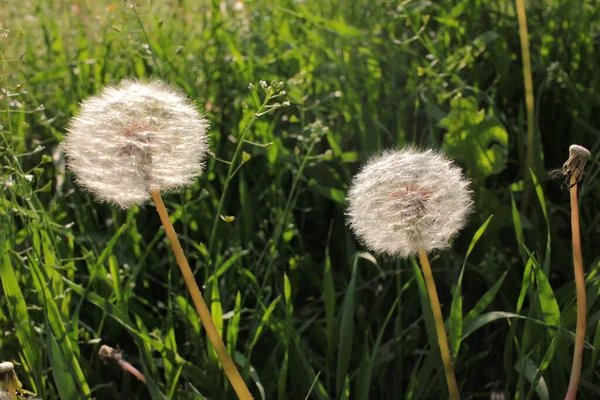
(406, 200)
(134, 138)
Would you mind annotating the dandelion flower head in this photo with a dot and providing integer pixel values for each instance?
(134, 138)
(405, 200)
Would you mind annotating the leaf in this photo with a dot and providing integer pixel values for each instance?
(60, 371)
(425, 305)
(57, 325)
(243, 362)
(303, 371)
(543, 365)
(233, 327)
(329, 299)
(263, 322)
(346, 333)
(548, 302)
(492, 316)
(518, 226)
(540, 194)
(485, 300)
(339, 196)
(17, 307)
(370, 365)
(527, 368)
(596, 351)
(216, 311)
(227, 264)
(108, 250)
(455, 320)
(346, 391)
(475, 140)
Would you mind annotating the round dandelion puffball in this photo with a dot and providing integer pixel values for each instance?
(405, 200)
(133, 138)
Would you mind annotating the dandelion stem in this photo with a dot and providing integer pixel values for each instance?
(439, 326)
(211, 330)
(581, 296)
(132, 370)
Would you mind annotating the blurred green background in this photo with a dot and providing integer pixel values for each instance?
(307, 312)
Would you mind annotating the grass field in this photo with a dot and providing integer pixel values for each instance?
(306, 311)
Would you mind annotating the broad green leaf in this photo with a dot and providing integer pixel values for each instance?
(478, 141)
(547, 300)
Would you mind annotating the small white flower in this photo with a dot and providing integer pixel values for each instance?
(136, 137)
(406, 200)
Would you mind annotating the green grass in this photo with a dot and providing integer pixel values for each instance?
(305, 311)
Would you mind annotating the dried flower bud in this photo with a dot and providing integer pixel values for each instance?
(404, 200)
(136, 137)
(578, 157)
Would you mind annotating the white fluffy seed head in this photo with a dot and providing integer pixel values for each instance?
(404, 200)
(136, 137)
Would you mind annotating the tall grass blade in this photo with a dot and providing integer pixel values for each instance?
(455, 320)
(346, 332)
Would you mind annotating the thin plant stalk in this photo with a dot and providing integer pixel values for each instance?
(528, 82)
(581, 294)
(211, 330)
(439, 326)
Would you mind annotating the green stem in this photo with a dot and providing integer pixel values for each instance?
(439, 326)
(529, 99)
(286, 210)
(230, 172)
(154, 60)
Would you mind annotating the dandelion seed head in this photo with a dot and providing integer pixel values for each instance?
(133, 138)
(576, 150)
(403, 200)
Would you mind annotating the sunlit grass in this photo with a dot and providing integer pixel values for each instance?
(303, 310)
